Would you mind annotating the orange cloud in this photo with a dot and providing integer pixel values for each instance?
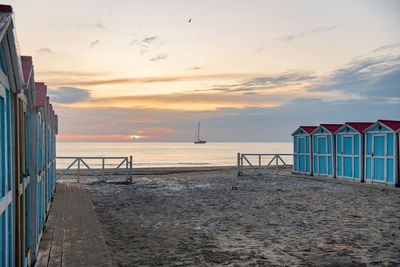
(184, 101)
(143, 80)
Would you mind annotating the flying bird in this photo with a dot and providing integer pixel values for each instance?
(190, 20)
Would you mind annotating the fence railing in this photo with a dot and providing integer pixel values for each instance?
(258, 167)
(101, 177)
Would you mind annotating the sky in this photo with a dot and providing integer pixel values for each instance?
(249, 71)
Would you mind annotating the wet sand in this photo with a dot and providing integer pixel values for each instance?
(211, 217)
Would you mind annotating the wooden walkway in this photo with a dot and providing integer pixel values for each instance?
(73, 235)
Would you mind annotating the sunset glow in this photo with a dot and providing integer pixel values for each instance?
(138, 71)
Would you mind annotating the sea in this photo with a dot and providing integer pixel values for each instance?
(168, 154)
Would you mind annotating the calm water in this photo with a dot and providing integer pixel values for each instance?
(167, 154)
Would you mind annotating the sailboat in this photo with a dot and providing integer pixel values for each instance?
(199, 141)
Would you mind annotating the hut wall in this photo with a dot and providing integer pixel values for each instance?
(6, 167)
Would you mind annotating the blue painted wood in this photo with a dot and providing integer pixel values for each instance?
(348, 145)
(322, 145)
(379, 169)
(3, 176)
(356, 144)
(347, 130)
(380, 128)
(368, 168)
(390, 146)
(339, 165)
(379, 145)
(322, 165)
(357, 167)
(10, 244)
(3, 236)
(339, 144)
(348, 166)
(389, 169)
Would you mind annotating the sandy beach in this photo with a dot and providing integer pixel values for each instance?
(211, 217)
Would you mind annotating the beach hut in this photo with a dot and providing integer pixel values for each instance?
(15, 177)
(350, 150)
(323, 138)
(302, 149)
(7, 182)
(24, 119)
(381, 152)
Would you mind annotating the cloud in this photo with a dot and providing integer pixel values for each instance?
(69, 73)
(265, 83)
(45, 50)
(147, 43)
(94, 43)
(294, 36)
(368, 77)
(386, 47)
(149, 40)
(184, 101)
(98, 25)
(151, 79)
(161, 56)
(68, 95)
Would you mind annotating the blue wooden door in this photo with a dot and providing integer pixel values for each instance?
(302, 151)
(348, 145)
(322, 155)
(379, 157)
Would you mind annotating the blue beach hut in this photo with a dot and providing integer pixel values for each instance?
(324, 152)
(302, 149)
(381, 152)
(350, 150)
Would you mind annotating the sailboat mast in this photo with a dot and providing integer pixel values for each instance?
(198, 131)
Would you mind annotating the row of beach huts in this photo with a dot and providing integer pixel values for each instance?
(362, 151)
(27, 151)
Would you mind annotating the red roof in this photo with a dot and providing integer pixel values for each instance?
(332, 127)
(41, 91)
(26, 63)
(6, 8)
(359, 126)
(394, 125)
(308, 129)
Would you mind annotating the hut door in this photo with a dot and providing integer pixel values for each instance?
(378, 157)
(302, 151)
(348, 144)
(322, 155)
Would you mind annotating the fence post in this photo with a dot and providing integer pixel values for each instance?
(127, 169)
(79, 169)
(130, 169)
(241, 164)
(238, 164)
(102, 170)
(277, 167)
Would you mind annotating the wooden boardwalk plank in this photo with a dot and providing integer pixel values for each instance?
(73, 235)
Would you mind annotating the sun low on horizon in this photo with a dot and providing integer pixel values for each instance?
(248, 70)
